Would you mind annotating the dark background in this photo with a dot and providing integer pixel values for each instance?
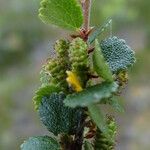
(25, 43)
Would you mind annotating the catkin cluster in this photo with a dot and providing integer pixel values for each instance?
(70, 56)
(101, 141)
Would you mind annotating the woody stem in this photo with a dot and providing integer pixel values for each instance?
(86, 6)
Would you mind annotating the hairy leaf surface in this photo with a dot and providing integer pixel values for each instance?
(57, 117)
(117, 53)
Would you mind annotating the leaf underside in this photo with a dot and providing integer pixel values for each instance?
(62, 13)
(100, 65)
(117, 53)
(40, 143)
(91, 95)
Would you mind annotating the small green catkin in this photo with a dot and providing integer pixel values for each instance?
(78, 56)
(101, 141)
(45, 78)
(61, 47)
(57, 69)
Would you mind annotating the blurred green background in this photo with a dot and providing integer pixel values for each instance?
(26, 43)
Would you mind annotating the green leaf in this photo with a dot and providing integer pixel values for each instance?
(62, 13)
(98, 117)
(98, 32)
(100, 65)
(118, 55)
(43, 91)
(115, 102)
(40, 143)
(57, 117)
(88, 145)
(93, 94)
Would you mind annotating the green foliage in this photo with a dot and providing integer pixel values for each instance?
(66, 106)
(98, 31)
(79, 58)
(63, 13)
(90, 95)
(43, 92)
(115, 102)
(88, 146)
(100, 65)
(101, 141)
(40, 143)
(118, 55)
(57, 117)
(98, 118)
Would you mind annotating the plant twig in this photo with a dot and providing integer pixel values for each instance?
(86, 6)
(78, 141)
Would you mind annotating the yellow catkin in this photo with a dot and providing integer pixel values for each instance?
(72, 79)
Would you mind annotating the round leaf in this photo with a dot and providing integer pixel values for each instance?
(63, 13)
(57, 117)
(117, 53)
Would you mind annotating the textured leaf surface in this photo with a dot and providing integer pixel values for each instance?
(98, 31)
(98, 117)
(57, 117)
(43, 92)
(91, 95)
(63, 13)
(100, 65)
(40, 143)
(118, 55)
